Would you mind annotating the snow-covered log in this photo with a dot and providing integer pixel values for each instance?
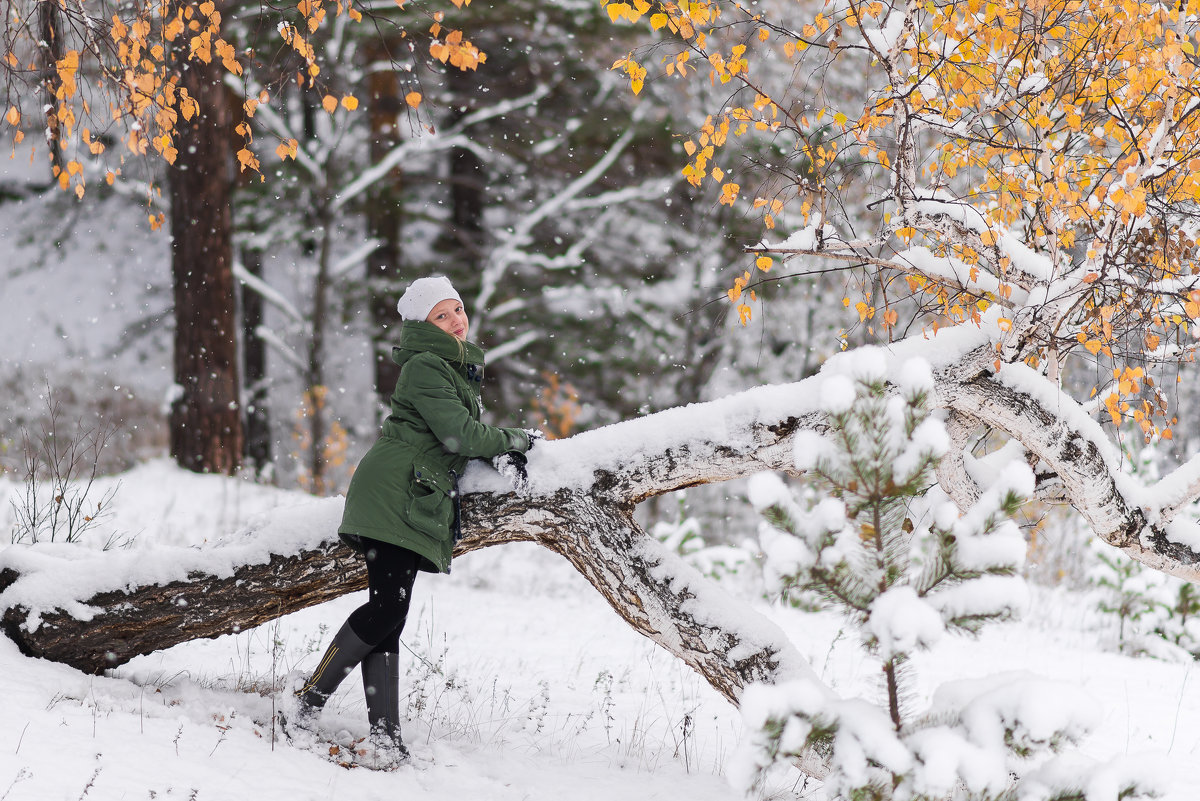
(114, 625)
(96, 610)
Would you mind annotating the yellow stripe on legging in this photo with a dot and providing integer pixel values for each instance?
(316, 676)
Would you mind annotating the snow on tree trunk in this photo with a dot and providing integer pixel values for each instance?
(648, 586)
(1071, 445)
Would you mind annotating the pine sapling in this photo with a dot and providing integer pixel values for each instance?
(1127, 592)
(884, 546)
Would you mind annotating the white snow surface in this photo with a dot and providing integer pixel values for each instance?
(518, 682)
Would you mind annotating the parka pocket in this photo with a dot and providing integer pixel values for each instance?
(432, 509)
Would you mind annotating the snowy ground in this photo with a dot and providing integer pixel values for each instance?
(520, 684)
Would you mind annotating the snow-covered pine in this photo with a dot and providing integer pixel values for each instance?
(886, 547)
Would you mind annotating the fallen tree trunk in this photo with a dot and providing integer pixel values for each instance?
(156, 616)
(589, 521)
(638, 578)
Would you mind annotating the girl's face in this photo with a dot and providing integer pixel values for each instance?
(450, 316)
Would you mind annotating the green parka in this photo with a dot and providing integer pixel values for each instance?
(405, 488)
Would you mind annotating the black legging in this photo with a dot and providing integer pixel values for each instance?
(391, 571)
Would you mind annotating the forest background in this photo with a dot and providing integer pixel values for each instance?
(605, 280)
(550, 195)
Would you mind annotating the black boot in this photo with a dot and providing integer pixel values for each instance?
(381, 686)
(346, 651)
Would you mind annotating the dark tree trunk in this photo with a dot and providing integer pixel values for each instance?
(467, 180)
(462, 237)
(254, 360)
(205, 419)
(130, 624)
(385, 215)
(51, 47)
(317, 422)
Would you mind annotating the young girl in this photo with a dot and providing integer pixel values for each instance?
(402, 504)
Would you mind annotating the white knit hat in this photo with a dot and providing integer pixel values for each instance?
(423, 294)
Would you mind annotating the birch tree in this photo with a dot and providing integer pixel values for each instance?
(1032, 172)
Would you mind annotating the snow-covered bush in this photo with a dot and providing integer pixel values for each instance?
(1182, 624)
(888, 549)
(1129, 594)
(1154, 614)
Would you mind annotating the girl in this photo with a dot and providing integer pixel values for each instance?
(402, 504)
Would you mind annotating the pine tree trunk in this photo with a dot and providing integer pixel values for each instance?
(385, 214)
(206, 433)
(317, 413)
(254, 360)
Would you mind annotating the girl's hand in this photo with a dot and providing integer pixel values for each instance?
(513, 466)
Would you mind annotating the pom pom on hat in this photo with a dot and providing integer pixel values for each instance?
(423, 294)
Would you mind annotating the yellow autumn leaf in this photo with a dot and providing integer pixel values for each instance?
(247, 160)
(350, 102)
(413, 99)
(764, 263)
(287, 149)
(618, 10)
(13, 116)
(329, 103)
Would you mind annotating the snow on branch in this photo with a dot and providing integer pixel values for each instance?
(354, 258)
(512, 346)
(444, 140)
(282, 348)
(507, 252)
(268, 293)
